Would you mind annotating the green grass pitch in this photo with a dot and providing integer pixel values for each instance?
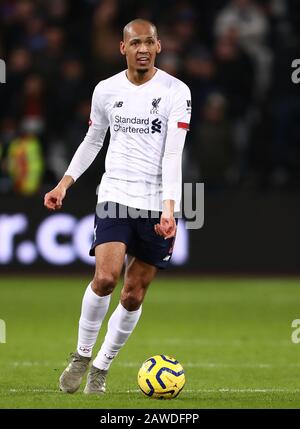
(232, 336)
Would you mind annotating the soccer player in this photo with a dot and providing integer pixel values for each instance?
(148, 112)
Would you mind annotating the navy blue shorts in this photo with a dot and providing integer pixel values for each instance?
(138, 235)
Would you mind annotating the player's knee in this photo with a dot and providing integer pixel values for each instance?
(104, 283)
(132, 299)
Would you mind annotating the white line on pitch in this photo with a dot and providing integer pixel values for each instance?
(37, 363)
(186, 364)
(221, 390)
(225, 390)
(213, 342)
(213, 365)
(33, 391)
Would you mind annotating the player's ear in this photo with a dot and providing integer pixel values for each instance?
(122, 48)
(158, 49)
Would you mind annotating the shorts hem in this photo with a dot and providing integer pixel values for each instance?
(147, 261)
(92, 250)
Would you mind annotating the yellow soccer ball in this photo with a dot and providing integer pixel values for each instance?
(161, 377)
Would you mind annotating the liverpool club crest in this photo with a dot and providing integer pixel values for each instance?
(155, 103)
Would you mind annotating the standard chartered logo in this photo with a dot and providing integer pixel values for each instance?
(134, 121)
(132, 125)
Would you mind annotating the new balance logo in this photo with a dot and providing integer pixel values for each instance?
(95, 232)
(85, 349)
(156, 126)
(118, 104)
(108, 356)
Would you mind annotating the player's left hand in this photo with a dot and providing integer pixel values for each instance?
(167, 226)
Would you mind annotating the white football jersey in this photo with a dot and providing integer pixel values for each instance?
(143, 121)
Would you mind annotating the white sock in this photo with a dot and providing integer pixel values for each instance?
(93, 311)
(120, 326)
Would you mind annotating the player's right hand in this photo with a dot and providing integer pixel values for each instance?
(53, 199)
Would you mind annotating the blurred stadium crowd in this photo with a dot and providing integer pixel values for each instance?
(235, 55)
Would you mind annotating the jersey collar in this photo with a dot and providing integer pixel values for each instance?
(154, 77)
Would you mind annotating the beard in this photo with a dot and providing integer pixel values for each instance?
(142, 71)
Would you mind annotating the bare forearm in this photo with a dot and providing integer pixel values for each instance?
(168, 206)
(66, 182)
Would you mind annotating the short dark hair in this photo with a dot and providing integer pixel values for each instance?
(139, 21)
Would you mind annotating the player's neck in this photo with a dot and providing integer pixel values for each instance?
(138, 78)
